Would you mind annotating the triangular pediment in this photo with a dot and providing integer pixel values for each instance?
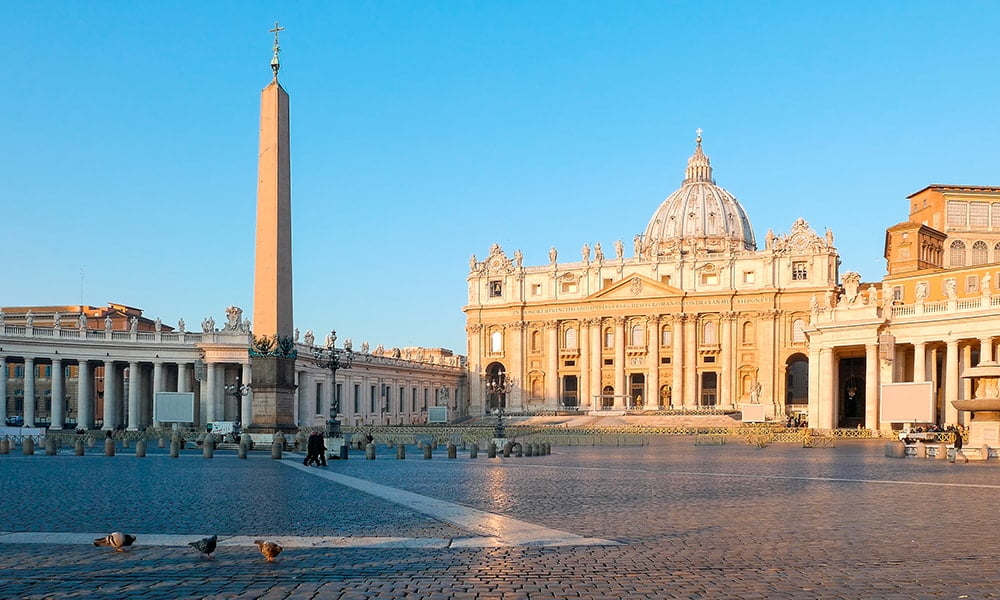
(636, 286)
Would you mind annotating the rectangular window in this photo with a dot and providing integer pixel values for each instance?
(710, 359)
(606, 283)
(357, 398)
(19, 371)
(402, 399)
(957, 213)
(319, 398)
(665, 360)
(414, 400)
(749, 276)
(709, 278)
(496, 289)
(570, 363)
(373, 397)
(800, 270)
(609, 362)
(979, 215)
(665, 279)
(569, 287)
(536, 289)
(425, 398)
(897, 293)
(971, 283)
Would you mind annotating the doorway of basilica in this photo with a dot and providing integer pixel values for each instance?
(570, 395)
(851, 391)
(709, 388)
(637, 387)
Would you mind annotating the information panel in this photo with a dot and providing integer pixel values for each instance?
(174, 407)
(907, 402)
(437, 414)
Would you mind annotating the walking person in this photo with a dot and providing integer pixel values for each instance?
(958, 445)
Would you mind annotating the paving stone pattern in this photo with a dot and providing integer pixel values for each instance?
(721, 522)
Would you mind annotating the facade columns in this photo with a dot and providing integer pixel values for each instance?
(620, 388)
(477, 398)
(966, 362)
(183, 381)
(110, 398)
(29, 392)
(85, 402)
(871, 387)
(677, 362)
(57, 413)
(157, 387)
(827, 389)
(516, 352)
(551, 364)
(986, 350)
(583, 386)
(596, 352)
(246, 400)
(3, 387)
(951, 382)
(691, 399)
(653, 355)
(769, 326)
(814, 388)
(133, 396)
(919, 361)
(726, 323)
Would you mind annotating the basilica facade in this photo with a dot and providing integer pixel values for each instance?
(696, 317)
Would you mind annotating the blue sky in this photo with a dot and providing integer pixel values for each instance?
(423, 132)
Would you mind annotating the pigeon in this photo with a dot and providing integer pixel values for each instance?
(116, 540)
(268, 549)
(205, 545)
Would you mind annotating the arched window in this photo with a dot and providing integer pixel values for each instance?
(638, 336)
(957, 250)
(536, 340)
(708, 334)
(996, 253)
(666, 336)
(748, 333)
(496, 342)
(798, 331)
(570, 339)
(980, 253)
(609, 338)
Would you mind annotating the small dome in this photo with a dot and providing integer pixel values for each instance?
(698, 216)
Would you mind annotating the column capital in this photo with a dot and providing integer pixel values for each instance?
(551, 324)
(619, 320)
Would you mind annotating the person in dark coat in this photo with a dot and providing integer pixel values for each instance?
(958, 445)
(311, 457)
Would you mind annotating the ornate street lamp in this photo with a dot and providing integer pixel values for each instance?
(333, 359)
(496, 385)
(238, 391)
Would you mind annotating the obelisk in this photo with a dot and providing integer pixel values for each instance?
(273, 353)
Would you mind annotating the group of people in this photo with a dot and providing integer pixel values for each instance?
(315, 450)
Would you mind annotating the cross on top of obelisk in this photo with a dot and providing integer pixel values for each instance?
(275, 63)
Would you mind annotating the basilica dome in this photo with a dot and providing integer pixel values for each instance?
(700, 216)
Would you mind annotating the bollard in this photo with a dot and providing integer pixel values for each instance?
(79, 448)
(175, 449)
(491, 450)
(140, 449)
(529, 449)
(5, 446)
(50, 446)
(452, 450)
(345, 451)
(427, 451)
(124, 442)
(506, 449)
(28, 446)
(242, 452)
(474, 450)
(370, 451)
(208, 446)
(276, 448)
(400, 452)
(90, 442)
(518, 450)
(109, 447)
(163, 442)
(546, 448)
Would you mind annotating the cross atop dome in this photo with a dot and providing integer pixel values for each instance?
(699, 168)
(275, 63)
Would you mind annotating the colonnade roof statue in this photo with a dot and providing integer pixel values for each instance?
(699, 217)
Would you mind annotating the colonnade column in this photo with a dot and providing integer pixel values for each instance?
(85, 402)
(951, 382)
(58, 412)
(691, 399)
(208, 390)
(157, 387)
(965, 392)
(133, 396)
(620, 390)
(726, 385)
(595, 361)
(3, 387)
(516, 353)
(769, 325)
(653, 369)
(919, 361)
(183, 381)
(827, 389)
(551, 364)
(477, 399)
(109, 395)
(871, 387)
(814, 387)
(583, 387)
(246, 400)
(29, 392)
(677, 361)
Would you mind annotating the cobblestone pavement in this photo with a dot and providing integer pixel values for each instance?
(681, 521)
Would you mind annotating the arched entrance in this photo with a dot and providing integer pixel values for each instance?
(851, 392)
(797, 386)
(570, 393)
(497, 386)
(709, 388)
(607, 397)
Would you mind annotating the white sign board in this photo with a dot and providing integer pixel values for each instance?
(753, 413)
(437, 414)
(174, 407)
(907, 402)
